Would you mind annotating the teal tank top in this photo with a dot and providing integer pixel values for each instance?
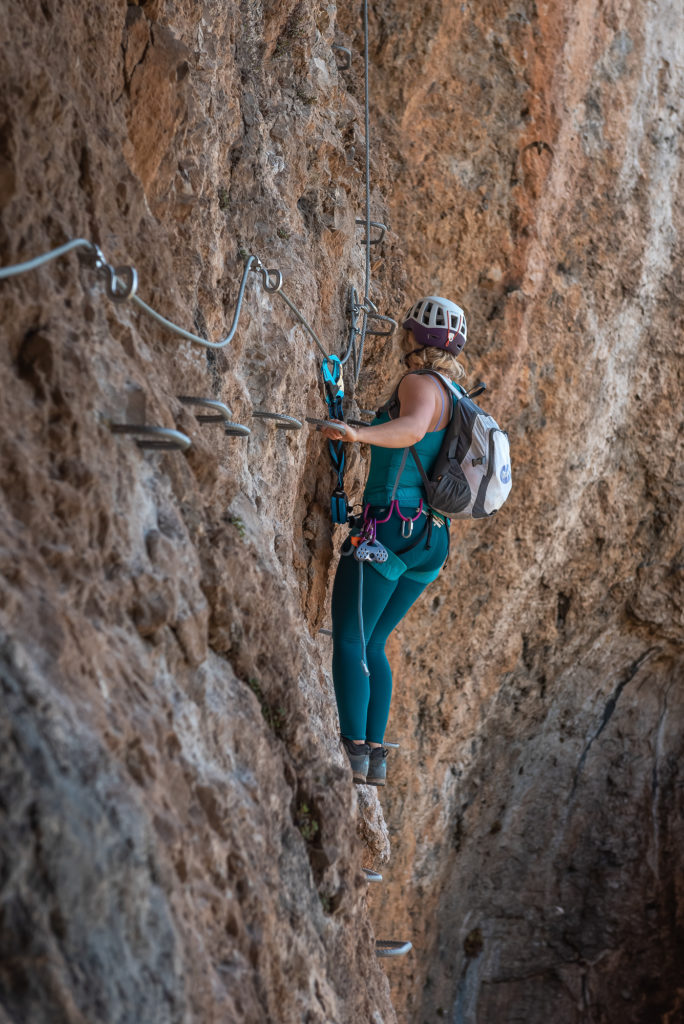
(385, 463)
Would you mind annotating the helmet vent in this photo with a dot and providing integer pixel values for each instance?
(439, 317)
(426, 312)
(454, 322)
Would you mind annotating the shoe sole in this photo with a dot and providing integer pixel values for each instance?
(375, 782)
(359, 779)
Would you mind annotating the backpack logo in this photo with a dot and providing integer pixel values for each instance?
(505, 474)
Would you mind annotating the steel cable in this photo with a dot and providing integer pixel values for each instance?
(121, 290)
(366, 295)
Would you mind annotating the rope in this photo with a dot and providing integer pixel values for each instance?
(366, 295)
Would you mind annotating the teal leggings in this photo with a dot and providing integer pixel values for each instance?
(363, 702)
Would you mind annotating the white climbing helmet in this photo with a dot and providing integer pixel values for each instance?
(438, 323)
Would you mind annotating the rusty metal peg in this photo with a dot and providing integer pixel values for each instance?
(382, 228)
(348, 54)
(159, 438)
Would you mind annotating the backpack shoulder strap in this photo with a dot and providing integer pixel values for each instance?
(456, 393)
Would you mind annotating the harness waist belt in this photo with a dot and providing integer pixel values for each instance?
(380, 512)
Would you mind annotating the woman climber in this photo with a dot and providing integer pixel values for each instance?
(400, 540)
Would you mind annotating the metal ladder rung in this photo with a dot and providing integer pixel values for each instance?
(236, 429)
(167, 439)
(374, 224)
(222, 414)
(390, 947)
(283, 422)
(385, 320)
(345, 50)
(372, 876)
(318, 423)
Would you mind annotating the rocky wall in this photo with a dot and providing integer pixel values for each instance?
(180, 840)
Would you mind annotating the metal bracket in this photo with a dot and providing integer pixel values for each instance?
(348, 54)
(382, 228)
(166, 438)
(283, 422)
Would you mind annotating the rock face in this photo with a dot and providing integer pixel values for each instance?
(179, 838)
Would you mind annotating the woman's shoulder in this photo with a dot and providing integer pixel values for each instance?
(424, 381)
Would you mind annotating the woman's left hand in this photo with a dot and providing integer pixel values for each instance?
(342, 433)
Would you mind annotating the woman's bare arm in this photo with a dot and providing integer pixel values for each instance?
(419, 405)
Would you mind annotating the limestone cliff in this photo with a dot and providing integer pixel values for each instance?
(179, 838)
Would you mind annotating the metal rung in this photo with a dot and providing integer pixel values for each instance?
(223, 411)
(224, 414)
(325, 632)
(372, 876)
(325, 423)
(374, 224)
(386, 743)
(283, 422)
(168, 439)
(348, 54)
(384, 319)
(388, 947)
(358, 423)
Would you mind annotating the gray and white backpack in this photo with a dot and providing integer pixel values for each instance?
(471, 476)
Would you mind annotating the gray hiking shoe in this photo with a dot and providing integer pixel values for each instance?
(377, 766)
(358, 754)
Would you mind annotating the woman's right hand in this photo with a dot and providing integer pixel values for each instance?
(341, 433)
